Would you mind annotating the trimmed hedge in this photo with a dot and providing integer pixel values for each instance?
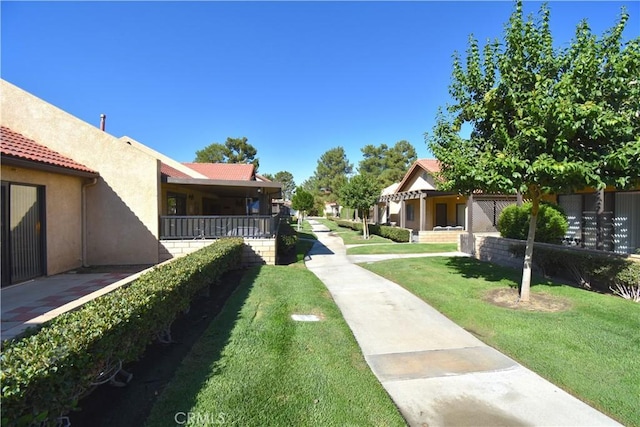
(551, 224)
(44, 374)
(588, 269)
(397, 234)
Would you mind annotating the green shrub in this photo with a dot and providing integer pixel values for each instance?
(287, 238)
(551, 226)
(396, 234)
(45, 372)
(347, 214)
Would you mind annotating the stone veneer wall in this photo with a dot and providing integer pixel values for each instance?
(256, 251)
(443, 236)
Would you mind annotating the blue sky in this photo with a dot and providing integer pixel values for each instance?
(295, 78)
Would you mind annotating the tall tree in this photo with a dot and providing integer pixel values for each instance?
(303, 202)
(543, 120)
(360, 192)
(234, 150)
(387, 164)
(332, 171)
(288, 184)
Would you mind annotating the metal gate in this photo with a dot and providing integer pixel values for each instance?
(23, 233)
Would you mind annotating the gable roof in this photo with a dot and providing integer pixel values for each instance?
(17, 146)
(225, 171)
(431, 166)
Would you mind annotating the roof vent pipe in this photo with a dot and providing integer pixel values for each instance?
(103, 120)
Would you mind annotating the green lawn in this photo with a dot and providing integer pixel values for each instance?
(255, 366)
(330, 224)
(403, 248)
(352, 237)
(591, 349)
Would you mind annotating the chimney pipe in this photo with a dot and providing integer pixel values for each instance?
(103, 119)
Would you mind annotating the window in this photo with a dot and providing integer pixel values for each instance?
(410, 213)
(176, 204)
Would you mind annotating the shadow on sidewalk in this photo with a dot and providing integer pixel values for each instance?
(320, 249)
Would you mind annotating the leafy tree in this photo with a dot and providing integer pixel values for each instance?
(269, 176)
(360, 192)
(387, 164)
(234, 150)
(331, 172)
(302, 201)
(543, 120)
(288, 184)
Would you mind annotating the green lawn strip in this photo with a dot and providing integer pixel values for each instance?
(331, 225)
(302, 247)
(590, 350)
(402, 248)
(255, 366)
(352, 237)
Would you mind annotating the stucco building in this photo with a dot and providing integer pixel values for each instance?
(89, 198)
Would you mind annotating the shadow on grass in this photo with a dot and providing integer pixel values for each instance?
(303, 234)
(471, 268)
(131, 405)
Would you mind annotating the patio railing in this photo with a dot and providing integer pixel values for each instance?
(215, 227)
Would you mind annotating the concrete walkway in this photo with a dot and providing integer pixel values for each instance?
(437, 373)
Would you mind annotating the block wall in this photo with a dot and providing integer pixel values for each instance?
(256, 251)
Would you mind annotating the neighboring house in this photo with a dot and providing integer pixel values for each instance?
(332, 209)
(387, 212)
(433, 214)
(43, 206)
(134, 191)
(619, 220)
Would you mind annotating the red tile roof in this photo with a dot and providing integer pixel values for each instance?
(224, 171)
(430, 165)
(172, 172)
(13, 144)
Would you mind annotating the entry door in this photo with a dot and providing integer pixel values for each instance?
(4, 249)
(441, 214)
(22, 232)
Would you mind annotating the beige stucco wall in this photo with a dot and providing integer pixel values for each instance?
(419, 181)
(123, 206)
(63, 200)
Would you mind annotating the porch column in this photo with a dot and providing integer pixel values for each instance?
(376, 208)
(471, 244)
(423, 212)
(403, 220)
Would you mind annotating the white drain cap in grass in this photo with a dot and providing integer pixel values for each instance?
(305, 317)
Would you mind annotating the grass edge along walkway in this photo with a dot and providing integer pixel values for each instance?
(254, 366)
(590, 350)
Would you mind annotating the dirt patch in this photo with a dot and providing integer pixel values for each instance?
(538, 301)
(131, 405)
(131, 269)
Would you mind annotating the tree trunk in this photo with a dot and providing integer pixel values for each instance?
(365, 229)
(525, 285)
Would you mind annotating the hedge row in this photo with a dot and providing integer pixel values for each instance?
(588, 269)
(397, 234)
(45, 373)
